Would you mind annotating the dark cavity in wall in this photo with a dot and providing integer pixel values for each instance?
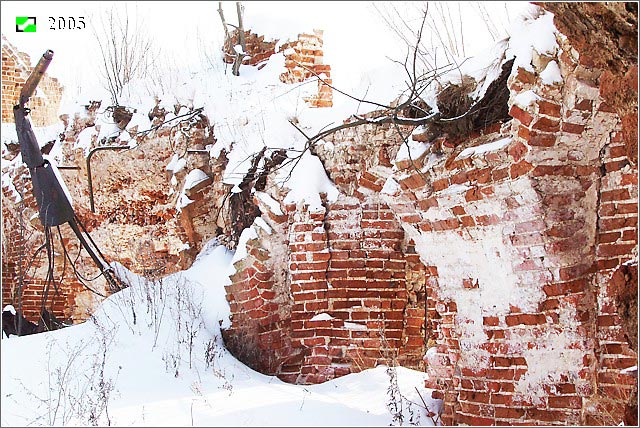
(242, 210)
(454, 101)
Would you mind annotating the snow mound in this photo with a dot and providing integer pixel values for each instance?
(153, 354)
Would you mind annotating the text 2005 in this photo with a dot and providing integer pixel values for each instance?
(68, 23)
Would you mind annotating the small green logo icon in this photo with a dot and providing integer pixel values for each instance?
(25, 24)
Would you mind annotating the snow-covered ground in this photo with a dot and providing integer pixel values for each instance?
(153, 355)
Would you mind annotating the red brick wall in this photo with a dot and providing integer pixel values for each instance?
(348, 262)
(616, 244)
(564, 196)
(15, 71)
(260, 302)
(307, 62)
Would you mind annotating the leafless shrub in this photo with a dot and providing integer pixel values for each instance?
(127, 52)
(77, 390)
(401, 408)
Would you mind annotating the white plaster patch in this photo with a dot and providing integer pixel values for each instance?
(484, 258)
(553, 356)
(322, 317)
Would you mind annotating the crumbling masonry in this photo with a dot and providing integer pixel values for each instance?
(506, 267)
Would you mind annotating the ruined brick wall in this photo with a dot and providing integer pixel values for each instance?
(508, 259)
(307, 62)
(24, 268)
(523, 250)
(16, 67)
(613, 48)
(260, 299)
(145, 215)
(304, 59)
(345, 293)
(137, 222)
(345, 264)
(555, 211)
(616, 285)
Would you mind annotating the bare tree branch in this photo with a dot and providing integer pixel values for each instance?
(127, 53)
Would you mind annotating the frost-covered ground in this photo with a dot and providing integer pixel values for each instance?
(152, 355)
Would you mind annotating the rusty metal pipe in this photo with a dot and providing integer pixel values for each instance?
(34, 78)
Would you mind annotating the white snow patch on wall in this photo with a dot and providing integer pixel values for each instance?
(176, 164)
(354, 326)
(455, 188)
(307, 179)
(183, 201)
(7, 182)
(124, 136)
(273, 205)
(529, 34)
(140, 120)
(488, 147)
(84, 139)
(107, 127)
(525, 99)
(321, 317)
(241, 250)
(194, 178)
(411, 150)
(551, 74)
(391, 187)
(259, 221)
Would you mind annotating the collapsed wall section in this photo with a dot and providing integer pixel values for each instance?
(155, 205)
(150, 203)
